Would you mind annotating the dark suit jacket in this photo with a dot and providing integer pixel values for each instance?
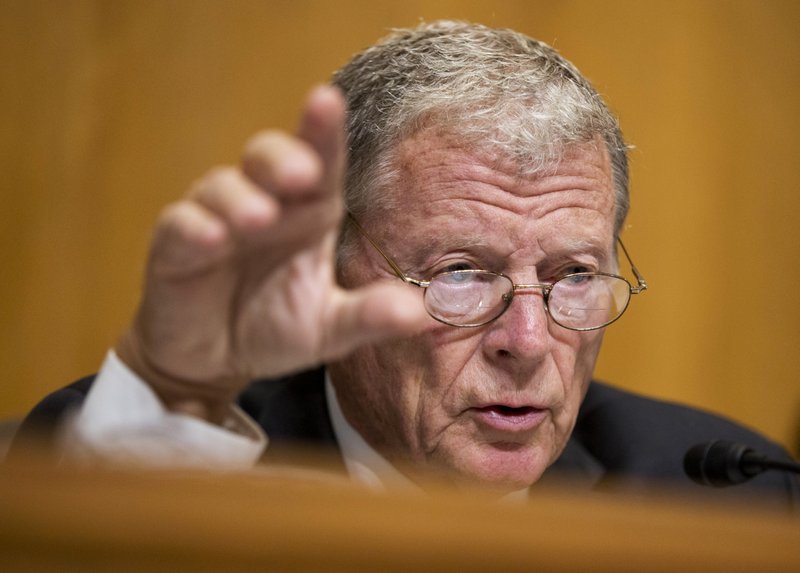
(621, 440)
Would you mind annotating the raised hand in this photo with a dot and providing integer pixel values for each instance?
(240, 279)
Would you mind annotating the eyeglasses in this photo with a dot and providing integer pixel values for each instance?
(475, 297)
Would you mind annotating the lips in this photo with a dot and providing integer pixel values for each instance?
(508, 418)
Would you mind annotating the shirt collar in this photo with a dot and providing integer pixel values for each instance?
(363, 463)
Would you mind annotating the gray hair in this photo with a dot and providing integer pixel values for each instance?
(484, 86)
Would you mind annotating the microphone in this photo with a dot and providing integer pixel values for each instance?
(720, 463)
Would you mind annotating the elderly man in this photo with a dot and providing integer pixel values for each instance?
(443, 242)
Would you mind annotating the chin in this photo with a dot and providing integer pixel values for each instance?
(499, 466)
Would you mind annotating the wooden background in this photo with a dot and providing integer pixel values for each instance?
(110, 109)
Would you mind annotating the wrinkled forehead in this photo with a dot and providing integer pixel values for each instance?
(448, 197)
(515, 137)
(443, 184)
(432, 161)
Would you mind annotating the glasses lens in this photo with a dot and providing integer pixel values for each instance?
(467, 298)
(584, 301)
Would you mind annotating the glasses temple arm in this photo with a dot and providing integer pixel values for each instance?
(397, 270)
(641, 282)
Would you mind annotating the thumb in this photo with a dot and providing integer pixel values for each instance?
(374, 313)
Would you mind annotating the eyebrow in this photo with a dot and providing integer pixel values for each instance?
(564, 245)
(564, 248)
(581, 245)
(450, 243)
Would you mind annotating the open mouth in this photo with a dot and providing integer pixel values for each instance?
(508, 410)
(510, 418)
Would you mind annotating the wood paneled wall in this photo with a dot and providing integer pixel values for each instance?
(111, 109)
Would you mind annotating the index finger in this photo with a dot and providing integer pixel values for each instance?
(305, 165)
(322, 126)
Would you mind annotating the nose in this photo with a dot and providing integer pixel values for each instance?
(520, 338)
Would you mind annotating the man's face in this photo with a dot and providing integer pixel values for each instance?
(494, 404)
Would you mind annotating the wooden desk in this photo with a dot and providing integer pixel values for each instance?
(84, 521)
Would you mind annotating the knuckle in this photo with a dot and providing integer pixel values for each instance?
(185, 223)
(174, 216)
(220, 176)
(214, 184)
(264, 136)
(261, 143)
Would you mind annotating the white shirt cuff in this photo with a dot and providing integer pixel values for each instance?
(123, 421)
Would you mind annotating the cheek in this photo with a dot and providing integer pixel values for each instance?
(587, 357)
(428, 366)
(427, 374)
(398, 392)
(575, 354)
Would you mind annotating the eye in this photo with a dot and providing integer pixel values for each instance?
(567, 275)
(576, 280)
(575, 269)
(457, 266)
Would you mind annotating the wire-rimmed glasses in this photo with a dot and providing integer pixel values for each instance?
(475, 297)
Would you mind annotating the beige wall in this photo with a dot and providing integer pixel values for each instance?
(111, 108)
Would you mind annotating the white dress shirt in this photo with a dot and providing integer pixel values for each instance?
(122, 420)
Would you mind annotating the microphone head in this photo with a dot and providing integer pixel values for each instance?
(720, 463)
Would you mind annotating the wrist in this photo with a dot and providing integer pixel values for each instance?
(208, 399)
